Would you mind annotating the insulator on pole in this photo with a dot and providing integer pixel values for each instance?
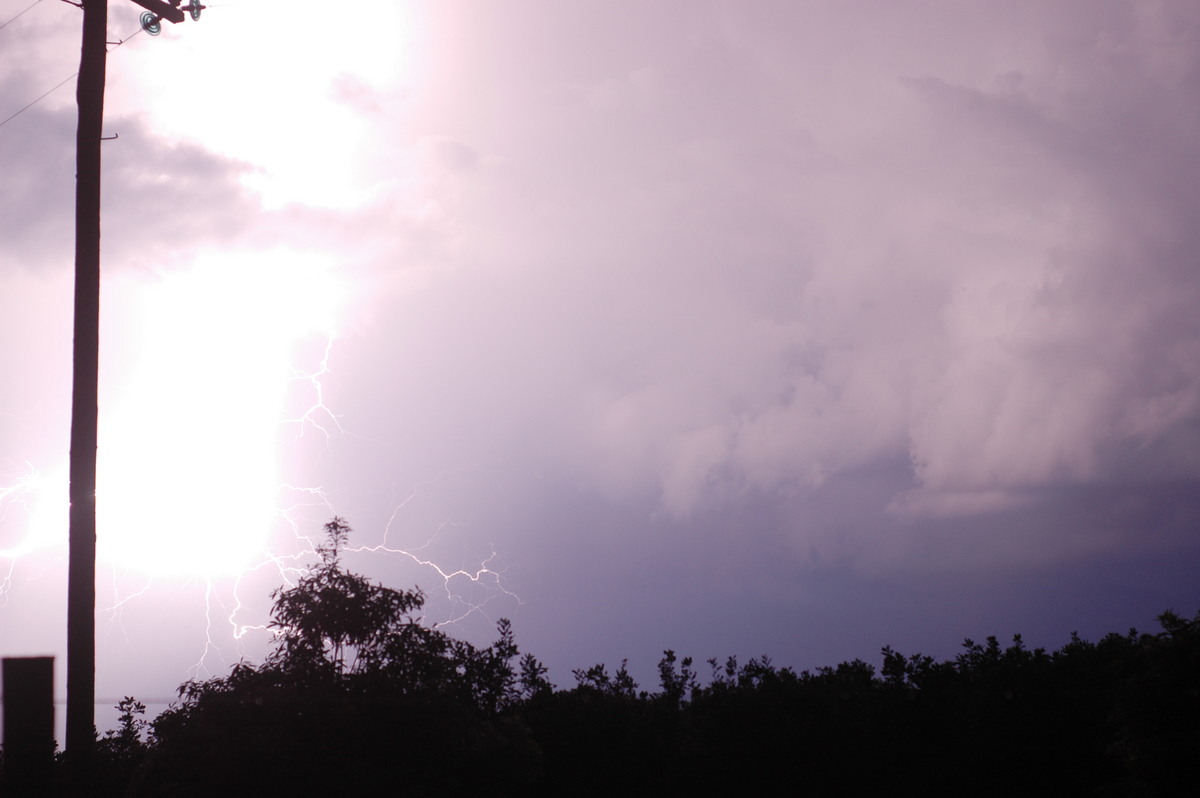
(151, 23)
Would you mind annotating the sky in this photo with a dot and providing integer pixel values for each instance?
(798, 328)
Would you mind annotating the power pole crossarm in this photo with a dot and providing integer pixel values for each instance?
(165, 10)
(157, 10)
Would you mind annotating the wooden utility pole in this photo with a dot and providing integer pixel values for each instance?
(81, 558)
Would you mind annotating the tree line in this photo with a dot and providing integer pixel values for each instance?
(359, 697)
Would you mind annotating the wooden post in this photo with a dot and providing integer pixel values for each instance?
(28, 726)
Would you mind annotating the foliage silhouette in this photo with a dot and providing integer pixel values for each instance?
(120, 753)
(359, 697)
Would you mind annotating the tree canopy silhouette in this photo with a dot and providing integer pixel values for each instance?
(336, 622)
(356, 697)
(359, 697)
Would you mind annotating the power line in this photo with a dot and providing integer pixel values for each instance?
(31, 5)
(58, 85)
(119, 42)
(39, 99)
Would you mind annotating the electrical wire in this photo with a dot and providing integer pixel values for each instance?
(59, 85)
(39, 99)
(119, 42)
(31, 5)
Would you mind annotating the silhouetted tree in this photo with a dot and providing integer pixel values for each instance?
(121, 751)
(333, 622)
(532, 678)
(357, 697)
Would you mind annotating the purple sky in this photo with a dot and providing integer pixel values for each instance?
(787, 327)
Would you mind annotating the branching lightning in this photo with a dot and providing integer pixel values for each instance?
(150, 601)
(199, 356)
(462, 606)
(302, 517)
(22, 523)
(16, 496)
(318, 414)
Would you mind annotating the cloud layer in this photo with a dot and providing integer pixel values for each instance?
(747, 261)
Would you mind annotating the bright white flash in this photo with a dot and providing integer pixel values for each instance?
(188, 472)
(207, 374)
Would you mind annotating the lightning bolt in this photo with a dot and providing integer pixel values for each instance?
(483, 575)
(15, 496)
(230, 609)
(6, 580)
(302, 512)
(23, 521)
(317, 415)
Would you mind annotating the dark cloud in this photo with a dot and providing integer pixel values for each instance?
(722, 273)
(37, 194)
(164, 199)
(161, 199)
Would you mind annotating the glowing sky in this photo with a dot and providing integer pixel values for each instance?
(792, 327)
